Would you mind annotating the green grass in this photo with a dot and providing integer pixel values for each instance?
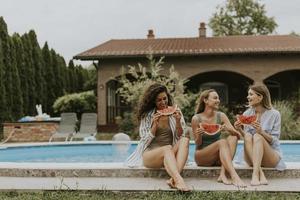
(93, 195)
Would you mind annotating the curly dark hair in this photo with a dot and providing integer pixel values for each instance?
(147, 102)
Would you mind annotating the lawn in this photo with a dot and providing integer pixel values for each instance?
(93, 195)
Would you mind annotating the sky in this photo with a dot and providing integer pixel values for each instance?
(73, 26)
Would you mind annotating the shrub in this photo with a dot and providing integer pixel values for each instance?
(134, 81)
(128, 125)
(290, 122)
(77, 102)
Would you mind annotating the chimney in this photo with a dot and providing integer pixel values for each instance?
(202, 30)
(150, 34)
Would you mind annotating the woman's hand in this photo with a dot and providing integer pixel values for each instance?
(177, 115)
(199, 130)
(238, 124)
(257, 127)
(231, 130)
(154, 123)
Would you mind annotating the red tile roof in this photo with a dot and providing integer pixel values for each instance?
(194, 46)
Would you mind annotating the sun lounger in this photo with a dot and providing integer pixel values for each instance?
(88, 126)
(66, 126)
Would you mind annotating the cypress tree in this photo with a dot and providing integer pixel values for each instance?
(72, 77)
(3, 111)
(22, 69)
(30, 74)
(38, 64)
(17, 102)
(49, 78)
(57, 74)
(62, 68)
(6, 59)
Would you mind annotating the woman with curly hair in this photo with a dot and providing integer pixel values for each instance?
(163, 142)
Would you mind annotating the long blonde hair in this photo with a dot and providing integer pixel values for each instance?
(200, 102)
(262, 90)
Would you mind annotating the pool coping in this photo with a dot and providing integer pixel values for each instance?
(24, 144)
(97, 169)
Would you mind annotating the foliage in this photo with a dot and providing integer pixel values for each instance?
(134, 80)
(189, 110)
(30, 75)
(290, 122)
(241, 17)
(128, 125)
(77, 102)
(132, 90)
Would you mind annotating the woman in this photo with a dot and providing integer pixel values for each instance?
(162, 141)
(261, 146)
(212, 150)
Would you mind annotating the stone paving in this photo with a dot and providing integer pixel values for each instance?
(137, 184)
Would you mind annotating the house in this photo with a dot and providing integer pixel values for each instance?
(228, 64)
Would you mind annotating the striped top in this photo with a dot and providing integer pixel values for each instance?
(135, 159)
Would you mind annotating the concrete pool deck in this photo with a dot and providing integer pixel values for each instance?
(117, 177)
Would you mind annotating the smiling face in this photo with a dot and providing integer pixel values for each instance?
(212, 101)
(254, 99)
(161, 101)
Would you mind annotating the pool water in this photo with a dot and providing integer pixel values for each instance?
(101, 153)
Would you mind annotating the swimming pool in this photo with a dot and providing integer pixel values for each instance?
(99, 152)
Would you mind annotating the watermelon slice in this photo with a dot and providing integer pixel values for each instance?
(244, 119)
(168, 111)
(210, 129)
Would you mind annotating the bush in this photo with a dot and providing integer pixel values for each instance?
(134, 81)
(290, 122)
(128, 125)
(77, 102)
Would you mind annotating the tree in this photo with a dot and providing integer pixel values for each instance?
(6, 59)
(30, 74)
(49, 78)
(38, 65)
(3, 110)
(17, 100)
(141, 77)
(242, 17)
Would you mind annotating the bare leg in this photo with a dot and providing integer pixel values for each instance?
(218, 150)
(181, 150)
(248, 148)
(232, 142)
(165, 156)
(263, 155)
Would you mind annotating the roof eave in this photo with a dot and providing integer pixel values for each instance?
(98, 57)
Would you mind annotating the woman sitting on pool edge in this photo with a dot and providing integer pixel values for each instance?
(211, 150)
(261, 137)
(162, 142)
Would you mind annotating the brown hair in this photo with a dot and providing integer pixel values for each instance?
(262, 90)
(200, 102)
(148, 100)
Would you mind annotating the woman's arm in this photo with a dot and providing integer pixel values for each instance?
(228, 126)
(239, 127)
(197, 131)
(180, 123)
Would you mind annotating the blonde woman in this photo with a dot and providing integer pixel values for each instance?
(261, 146)
(211, 150)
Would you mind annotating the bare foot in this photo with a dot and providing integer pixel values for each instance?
(181, 186)
(223, 179)
(238, 182)
(171, 183)
(255, 180)
(262, 178)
